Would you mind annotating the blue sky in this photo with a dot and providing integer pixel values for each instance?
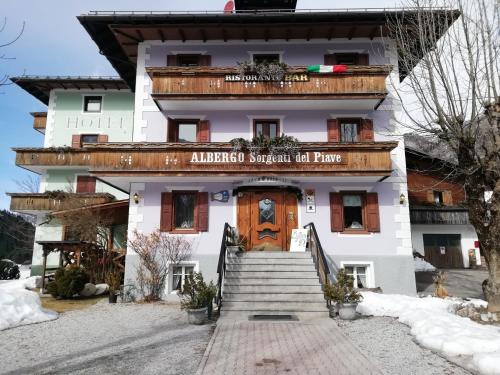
(54, 43)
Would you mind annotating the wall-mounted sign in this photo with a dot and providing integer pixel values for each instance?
(221, 196)
(298, 241)
(442, 249)
(310, 200)
(228, 157)
(292, 77)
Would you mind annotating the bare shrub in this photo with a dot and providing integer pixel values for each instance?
(157, 252)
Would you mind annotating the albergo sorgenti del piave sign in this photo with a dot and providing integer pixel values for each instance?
(227, 157)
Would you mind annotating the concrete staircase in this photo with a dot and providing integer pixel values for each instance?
(272, 283)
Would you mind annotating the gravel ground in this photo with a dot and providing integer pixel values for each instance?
(390, 346)
(107, 339)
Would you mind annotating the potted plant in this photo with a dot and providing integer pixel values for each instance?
(208, 293)
(194, 298)
(113, 279)
(344, 298)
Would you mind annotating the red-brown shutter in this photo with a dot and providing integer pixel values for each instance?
(430, 196)
(336, 214)
(447, 198)
(172, 130)
(363, 59)
(75, 141)
(85, 184)
(333, 130)
(367, 130)
(203, 212)
(166, 212)
(330, 59)
(102, 138)
(372, 213)
(204, 131)
(171, 60)
(205, 60)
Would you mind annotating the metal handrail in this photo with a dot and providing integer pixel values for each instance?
(318, 254)
(221, 266)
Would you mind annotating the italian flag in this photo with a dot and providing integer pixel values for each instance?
(327, 68)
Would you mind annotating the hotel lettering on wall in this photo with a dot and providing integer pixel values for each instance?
(228, 157)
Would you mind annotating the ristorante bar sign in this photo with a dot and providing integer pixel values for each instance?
(290, 77)
(307, 157)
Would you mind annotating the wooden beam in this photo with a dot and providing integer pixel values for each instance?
(331, 31)
(161, 34)
(287, 34)
(44, 268)
(351, 32)
(308, 35)
(140, 35)
(224, 35)
(266, 34)
(182, 34)
(374, 32)
(126, 35)
(203, 35)
(245, 34)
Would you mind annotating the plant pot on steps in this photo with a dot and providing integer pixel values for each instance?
(197, 316)
(347, 311)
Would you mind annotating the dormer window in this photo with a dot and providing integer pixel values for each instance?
(92, 104)
(188, 60)
(260, 58)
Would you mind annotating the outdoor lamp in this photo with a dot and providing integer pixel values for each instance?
(136, 198)
(402, 198)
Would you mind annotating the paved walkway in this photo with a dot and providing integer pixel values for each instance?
(304, 347)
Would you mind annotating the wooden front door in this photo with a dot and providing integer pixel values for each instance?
(266, 218)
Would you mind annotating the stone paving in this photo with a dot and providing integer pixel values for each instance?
(264, 347)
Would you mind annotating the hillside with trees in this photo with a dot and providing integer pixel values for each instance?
(17, 234)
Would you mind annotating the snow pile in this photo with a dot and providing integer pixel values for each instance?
(25, 271)
(423, 266)
(19, 306)
(436, 327)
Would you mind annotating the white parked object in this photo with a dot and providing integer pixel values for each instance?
(88, 290)
(101, 289)
(422, 266)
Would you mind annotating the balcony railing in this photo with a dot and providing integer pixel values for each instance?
(214, 159)
(39, 121)
(55, 201)
(359, 82)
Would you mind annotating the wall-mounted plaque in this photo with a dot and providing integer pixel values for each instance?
(221, 196)
(310, 201)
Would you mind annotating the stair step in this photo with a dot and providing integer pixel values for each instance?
(270, 281)
(273, 306)
(274, 297)
(267, 261)
(270, 254)
(270, 267)
(271, 288)
(272, 274)
(246, 314)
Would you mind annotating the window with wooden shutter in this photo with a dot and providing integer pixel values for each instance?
(336, 214)
(333, 130)
(203, 212)
(172, 130)
(166, 212)
(85, 184)
(330, 59)
(75, 141)
(363, 59)
(204, 131)
(447, 198)
(367, 130)
(372, 213)
(205, 60)
(171, 60)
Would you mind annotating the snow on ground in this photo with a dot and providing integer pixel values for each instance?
(19, 306)
(436, 327)
(423, 266)
(25, 271)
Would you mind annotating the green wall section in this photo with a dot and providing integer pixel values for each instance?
(116, 118)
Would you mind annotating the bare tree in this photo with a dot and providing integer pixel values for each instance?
(454, 81)
(30, 184)
(4, 78)
(157, 253)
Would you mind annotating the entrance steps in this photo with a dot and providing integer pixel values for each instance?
(272, 283)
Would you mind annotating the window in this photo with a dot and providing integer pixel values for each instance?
(346, 58)
(362, 274)
(438, 197)
(184, 210)
(179, 274)
(259, 58)
(187, 132)
(188, 60)
(92, 104)
(85, 184)
(267, 128)
(349, 131)
(89, 138)
(353, 211)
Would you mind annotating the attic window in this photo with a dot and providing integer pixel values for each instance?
(259, 58)
(92, 104)
(438, 197)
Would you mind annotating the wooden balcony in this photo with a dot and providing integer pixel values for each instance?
(359, 88)
(54, 201)
(39, 121)
(214, 159)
